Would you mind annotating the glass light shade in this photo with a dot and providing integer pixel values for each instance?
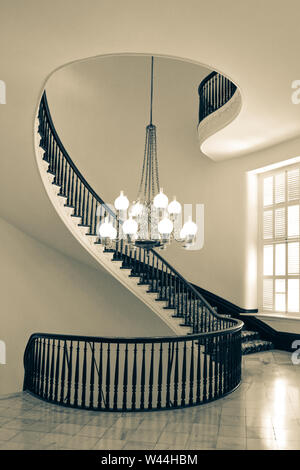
(174, 207)
(161, 200)
(106, 230)
(165, 226)
(136, 209)
(130, 227)
(189, 229)
(121, 203)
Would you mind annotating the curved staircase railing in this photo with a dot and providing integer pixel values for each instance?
(214, 91)
(213, 340)
(150, 267)
(131, 374)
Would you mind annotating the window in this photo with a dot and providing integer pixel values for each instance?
(280, 238)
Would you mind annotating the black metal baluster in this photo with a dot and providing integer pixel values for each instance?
(43, 360)
(205, 370)
(116, 382)
(91, 231)
(92, 377)
(83, 384)
(76, 379)
(151, 378)
(125, 378)
(134, 375)
(168, 377)
(210, 366)
(87, 209)
(191, 395)
(63, 374)
(198, 393)
(47, 370)
(100, 377)
(72, 190)
(70, 369)
(176, 376)
(107, 377)
(36, 363)
(68, 203)
(52, 370)
(183, 379)
(160, 375)
(143, 373)
(57, 371)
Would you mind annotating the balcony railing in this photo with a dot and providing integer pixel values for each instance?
(214, 91)
(129, 374)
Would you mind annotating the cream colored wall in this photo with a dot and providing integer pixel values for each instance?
(100, 109)
(44, 291)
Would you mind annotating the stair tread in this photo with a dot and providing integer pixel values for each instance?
(256, 345)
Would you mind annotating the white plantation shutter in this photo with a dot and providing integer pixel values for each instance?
(268, 225)
(280, 239)
(280, 222)
(280, 188)
(268, 294)
(293, 184)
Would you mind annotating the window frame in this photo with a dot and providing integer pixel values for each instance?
(276, 241)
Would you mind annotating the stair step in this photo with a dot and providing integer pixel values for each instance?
(257, 345)
(249, 335)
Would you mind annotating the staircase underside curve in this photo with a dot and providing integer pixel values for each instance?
(218, 120)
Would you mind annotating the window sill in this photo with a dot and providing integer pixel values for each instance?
(273, 315)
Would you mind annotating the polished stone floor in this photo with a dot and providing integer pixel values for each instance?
(264, 413)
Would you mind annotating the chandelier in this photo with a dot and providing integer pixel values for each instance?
(150, 221)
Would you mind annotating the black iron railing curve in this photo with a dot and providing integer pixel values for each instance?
(130, 374)
(214, 91)
(149, 266)
(52, 369)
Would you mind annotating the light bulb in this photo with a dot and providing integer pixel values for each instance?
(165, 226)
(106, 230)
(136, 209)
(174, 207)
(161, 200)
(121, 203)
(189, 229)
(130, 227)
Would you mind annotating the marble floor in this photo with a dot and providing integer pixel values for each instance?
(263, 413)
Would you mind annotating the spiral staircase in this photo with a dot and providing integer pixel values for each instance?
(200, 363)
